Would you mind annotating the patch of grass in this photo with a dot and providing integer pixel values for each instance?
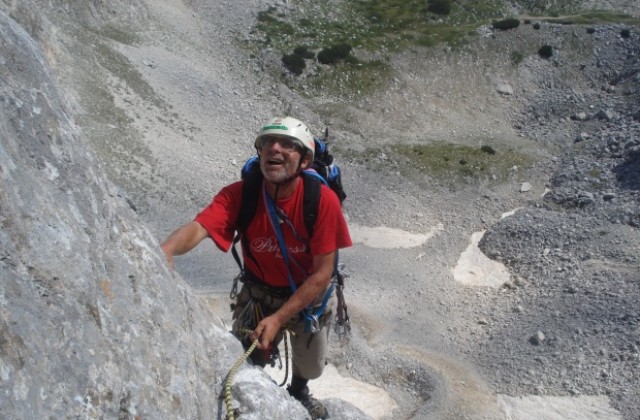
(452, 163)
(592, 17)
(604, 17)
(386, 26)
(448, 164)
(374, 24)
(350, 78)
(366, 26)
(517, 57)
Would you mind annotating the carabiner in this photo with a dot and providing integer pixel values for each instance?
(315, 324)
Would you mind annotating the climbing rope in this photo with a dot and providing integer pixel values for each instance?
(234, 369)
(227, 388)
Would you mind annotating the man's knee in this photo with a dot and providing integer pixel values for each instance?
(309, 354)
(310, 369)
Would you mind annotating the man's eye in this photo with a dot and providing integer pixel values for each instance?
(287, 144)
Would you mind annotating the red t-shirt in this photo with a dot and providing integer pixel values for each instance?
(330, 232)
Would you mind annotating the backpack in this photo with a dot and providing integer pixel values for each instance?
(322, 170)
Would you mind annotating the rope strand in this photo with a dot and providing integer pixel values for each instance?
(228, 399)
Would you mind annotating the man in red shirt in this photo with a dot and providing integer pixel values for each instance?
(285, 148)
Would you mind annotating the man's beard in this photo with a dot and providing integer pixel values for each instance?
(279, 174)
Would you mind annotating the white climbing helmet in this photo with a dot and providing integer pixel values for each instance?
(291, 128)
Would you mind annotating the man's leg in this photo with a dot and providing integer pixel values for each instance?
(309, 357)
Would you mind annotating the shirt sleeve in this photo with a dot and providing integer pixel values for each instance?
(219, 218)
(330, 231)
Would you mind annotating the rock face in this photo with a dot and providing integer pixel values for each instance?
(92, 323)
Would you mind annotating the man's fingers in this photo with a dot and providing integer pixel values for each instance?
(255, 335)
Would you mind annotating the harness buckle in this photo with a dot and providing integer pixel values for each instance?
(314, 323)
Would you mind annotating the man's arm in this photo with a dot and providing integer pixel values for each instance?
(183, 240)
(308, 291)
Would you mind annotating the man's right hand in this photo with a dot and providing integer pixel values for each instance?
(183, 240)
(266, 331)
(169, 256)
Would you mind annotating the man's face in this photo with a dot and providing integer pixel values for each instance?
(280, 158)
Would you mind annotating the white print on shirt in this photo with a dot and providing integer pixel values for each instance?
(270, 244)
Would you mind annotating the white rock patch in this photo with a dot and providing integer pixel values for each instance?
(476, 269)
(388, 238)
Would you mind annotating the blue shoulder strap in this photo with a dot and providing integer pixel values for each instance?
(312, 323)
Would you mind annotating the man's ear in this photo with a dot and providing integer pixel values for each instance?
(306, 161)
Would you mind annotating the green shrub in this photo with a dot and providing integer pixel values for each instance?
(546, 51)
(488, 149)
(325, 56)
(506, 24)
(439, 7)
(625, 33)
(341, 50)
(516, 57)
(591, 30)
(536, 26)
(334, 53)
(303, 51)
(266, 17)
(294, 63)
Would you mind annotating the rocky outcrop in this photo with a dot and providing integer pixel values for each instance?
(92, 323)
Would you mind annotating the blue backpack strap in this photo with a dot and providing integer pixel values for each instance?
(311, 318)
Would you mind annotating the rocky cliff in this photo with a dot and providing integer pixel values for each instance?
(92, 323)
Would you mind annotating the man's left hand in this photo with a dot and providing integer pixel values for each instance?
(266, 331)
